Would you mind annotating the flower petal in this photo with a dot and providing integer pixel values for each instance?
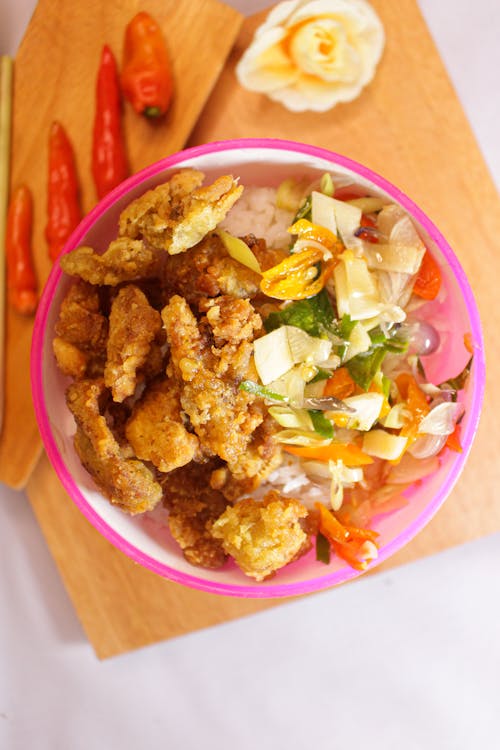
(264, 66)
(312, 54)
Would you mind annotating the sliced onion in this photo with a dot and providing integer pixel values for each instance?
(395, 288)
(427, 445)
(291, 418)
(369, 204)
(304, 244)
(305, 348)
(295, 436)
(410, 469)
(328, 403)
(441, 420)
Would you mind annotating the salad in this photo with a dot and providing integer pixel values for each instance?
(341, 365)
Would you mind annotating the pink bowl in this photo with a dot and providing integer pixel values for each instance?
(257, 162)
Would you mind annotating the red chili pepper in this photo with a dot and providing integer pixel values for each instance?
(428, 281)
(21, 279)
(368, 236)
(146, 72)
(109, 161)
(63, 205)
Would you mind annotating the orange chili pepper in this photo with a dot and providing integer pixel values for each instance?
(416, 401)
(468, 342)
(428, 281)
(340, 385)
(21, 279)
(109, 161)
(347, 541)
(453, 440)
(296, 277)
(306, 230)
(146, 73)
(349, 453)
(63, 205)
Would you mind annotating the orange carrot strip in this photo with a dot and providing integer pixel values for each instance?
(349, 453)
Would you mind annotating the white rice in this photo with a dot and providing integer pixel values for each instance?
(256, 213)
(291, 480)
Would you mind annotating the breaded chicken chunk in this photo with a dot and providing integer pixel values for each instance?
(124, 260)
(262, 456)
(193, 506)
(207, 270)
(209, 369)
(81, 332)
(263, 536)
(156, 431)
(127, 482)
(133, 326)
(178, 214)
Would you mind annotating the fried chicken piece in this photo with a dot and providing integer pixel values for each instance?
(207, 271)
(263, 536)
(178, 214)
(156, 431)
(133, 325)
(193, 506)
(124, 260)
(262, 456)
(210, 370)
(127, 482)
(81, 332)
(156, 360)
(267, 256)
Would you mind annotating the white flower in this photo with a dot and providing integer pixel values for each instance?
(312, 54)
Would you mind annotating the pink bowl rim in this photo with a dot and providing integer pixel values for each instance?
(215, 587)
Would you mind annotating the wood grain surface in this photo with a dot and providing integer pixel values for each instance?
(409, 125)
(55, 72)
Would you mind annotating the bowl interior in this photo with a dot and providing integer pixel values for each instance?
(146, 538)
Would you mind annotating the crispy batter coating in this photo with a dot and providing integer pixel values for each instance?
(156, 431)
(262, 456)
(126, 482)
(81, 332)
(210, 371)
(124, 260)
(133, 326)
(207, 271)
(193, 506)
(178, 214)
(267, 256)
(263, 536)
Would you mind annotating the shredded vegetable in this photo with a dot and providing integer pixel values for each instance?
(341, 367)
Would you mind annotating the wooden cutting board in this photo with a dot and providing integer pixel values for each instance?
(55, 72)
(410, 126)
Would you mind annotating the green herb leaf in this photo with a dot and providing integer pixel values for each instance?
(322, 548)
(363, 367)
(304, 211)
(321, 375)
(320, 423)
(259, 390)
(313, 315)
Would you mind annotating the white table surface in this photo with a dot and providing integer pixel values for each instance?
(406, 659)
